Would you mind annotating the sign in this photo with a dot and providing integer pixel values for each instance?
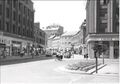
(103, 39)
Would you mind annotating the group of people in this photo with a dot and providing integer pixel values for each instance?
(58, 55)
(33, 52)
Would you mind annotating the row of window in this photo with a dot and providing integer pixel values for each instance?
(39, 40)
(66, 43)
(16, 30)
(22, 9)
(40, 33)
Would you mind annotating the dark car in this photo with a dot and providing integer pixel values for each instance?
(48, 54)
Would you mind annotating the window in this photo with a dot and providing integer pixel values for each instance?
(14, 15)
(104, 2)
(8, 1)
(13, 28)
(7, 12)
(7, 27)
(14, 3)
(0, 9)
(19, 19)
(24, 9)
(0, 25)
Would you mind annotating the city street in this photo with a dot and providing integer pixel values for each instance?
(44, 72)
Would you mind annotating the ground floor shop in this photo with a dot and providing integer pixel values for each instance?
(112, 49)
(110, 41)
(13, 46)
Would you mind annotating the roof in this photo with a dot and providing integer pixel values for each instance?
(57, 37)
(70, 33)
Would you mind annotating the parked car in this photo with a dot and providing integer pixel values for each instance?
(48, 54)
(67, 55)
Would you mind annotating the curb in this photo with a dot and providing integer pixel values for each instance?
(91, 71)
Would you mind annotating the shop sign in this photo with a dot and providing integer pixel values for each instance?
(109, 39)
(5, 41)
(16, 45)
(103, 39)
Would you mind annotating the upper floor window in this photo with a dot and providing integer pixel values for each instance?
(104, 2)
(7, 12)
(0, 9)
(8, 1)
(14, 15)
(0, 24)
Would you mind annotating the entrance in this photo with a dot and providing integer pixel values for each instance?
(116, 49)
(16, 46)
(2, 48)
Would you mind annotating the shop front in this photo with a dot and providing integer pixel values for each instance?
(16, 47)
(111, 42)
(2, 48)
(5, 46)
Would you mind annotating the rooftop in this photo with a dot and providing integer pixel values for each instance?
(70, 33)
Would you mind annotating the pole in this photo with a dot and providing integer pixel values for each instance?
(96, 62)
(103, 57)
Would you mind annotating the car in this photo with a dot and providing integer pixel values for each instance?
(48, 54)
(67, 55)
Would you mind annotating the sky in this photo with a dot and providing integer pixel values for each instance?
(69, 14)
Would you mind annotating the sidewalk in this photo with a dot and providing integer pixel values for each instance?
(108, 74)
(17, 59)
(111, 66)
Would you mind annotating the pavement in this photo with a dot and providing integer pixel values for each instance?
(108, 71)
(17, 59)
(47, 72)
(111, 66)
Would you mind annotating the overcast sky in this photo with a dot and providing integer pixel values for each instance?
(69, 14)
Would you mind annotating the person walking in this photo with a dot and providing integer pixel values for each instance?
(22, 53)
(4, 53)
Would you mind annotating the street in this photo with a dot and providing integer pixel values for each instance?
(44, 72)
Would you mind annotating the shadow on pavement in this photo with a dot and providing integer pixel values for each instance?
(25, 60)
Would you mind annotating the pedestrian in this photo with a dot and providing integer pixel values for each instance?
(4, 53)
(61, 55)
(22, 53)
(32, 52)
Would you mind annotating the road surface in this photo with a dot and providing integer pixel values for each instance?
(43, 72)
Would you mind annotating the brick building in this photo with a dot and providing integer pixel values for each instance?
(40, 37)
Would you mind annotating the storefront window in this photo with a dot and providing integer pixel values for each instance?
(116, 49)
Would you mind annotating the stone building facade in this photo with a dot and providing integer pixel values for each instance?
(16, 25)
(102, 26)
(40, 38)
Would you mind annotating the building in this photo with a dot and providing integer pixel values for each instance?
(78, 39)
(77, 42)
(16, 25)
(39, 38)
(67, 41)
(102, 26)
(54, 30)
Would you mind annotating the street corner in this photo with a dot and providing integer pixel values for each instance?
(110, 69)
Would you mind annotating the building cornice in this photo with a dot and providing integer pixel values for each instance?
(102, 37)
